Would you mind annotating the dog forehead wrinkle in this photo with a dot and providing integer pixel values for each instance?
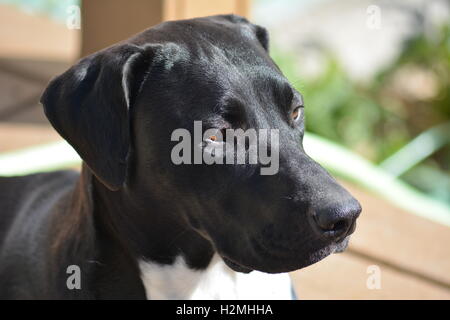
(236, 77)
(171, 54)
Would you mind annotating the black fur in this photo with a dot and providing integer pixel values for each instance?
(131, 202)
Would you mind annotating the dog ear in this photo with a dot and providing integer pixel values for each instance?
(262, 35)
(89, 106)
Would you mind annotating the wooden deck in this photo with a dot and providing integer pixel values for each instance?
(412, 253)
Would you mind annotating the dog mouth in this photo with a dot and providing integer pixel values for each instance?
(341, 246)
(288, 264)
(236, 266)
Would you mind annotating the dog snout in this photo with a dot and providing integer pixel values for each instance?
(336, 221)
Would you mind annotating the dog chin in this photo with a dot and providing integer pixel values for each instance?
(341, 246)
(289, 266)
(236, 267)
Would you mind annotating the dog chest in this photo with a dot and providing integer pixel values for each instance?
(178, 281)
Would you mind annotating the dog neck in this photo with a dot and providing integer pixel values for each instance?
(163, 246)
(142, 253)
(150, 233)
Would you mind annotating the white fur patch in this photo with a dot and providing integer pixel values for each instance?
(178, 281)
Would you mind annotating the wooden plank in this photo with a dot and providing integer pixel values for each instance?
(243, 8)
(400, 238)
(186, 9)
(38, 72)
(33, 114)
(200, 8)
(412, 254)
(105, 22)
(32, 36)
(21, 85)
(343, 276)
(14, 136)
(14, 92)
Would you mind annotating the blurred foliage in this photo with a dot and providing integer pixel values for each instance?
(379, 117)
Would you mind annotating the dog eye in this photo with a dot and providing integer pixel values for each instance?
(215, 135)
(297, 113)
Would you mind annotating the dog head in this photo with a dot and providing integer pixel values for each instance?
(119, 108)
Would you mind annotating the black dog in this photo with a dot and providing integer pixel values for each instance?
(136, 225)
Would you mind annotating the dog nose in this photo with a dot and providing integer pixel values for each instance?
(337, 221)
